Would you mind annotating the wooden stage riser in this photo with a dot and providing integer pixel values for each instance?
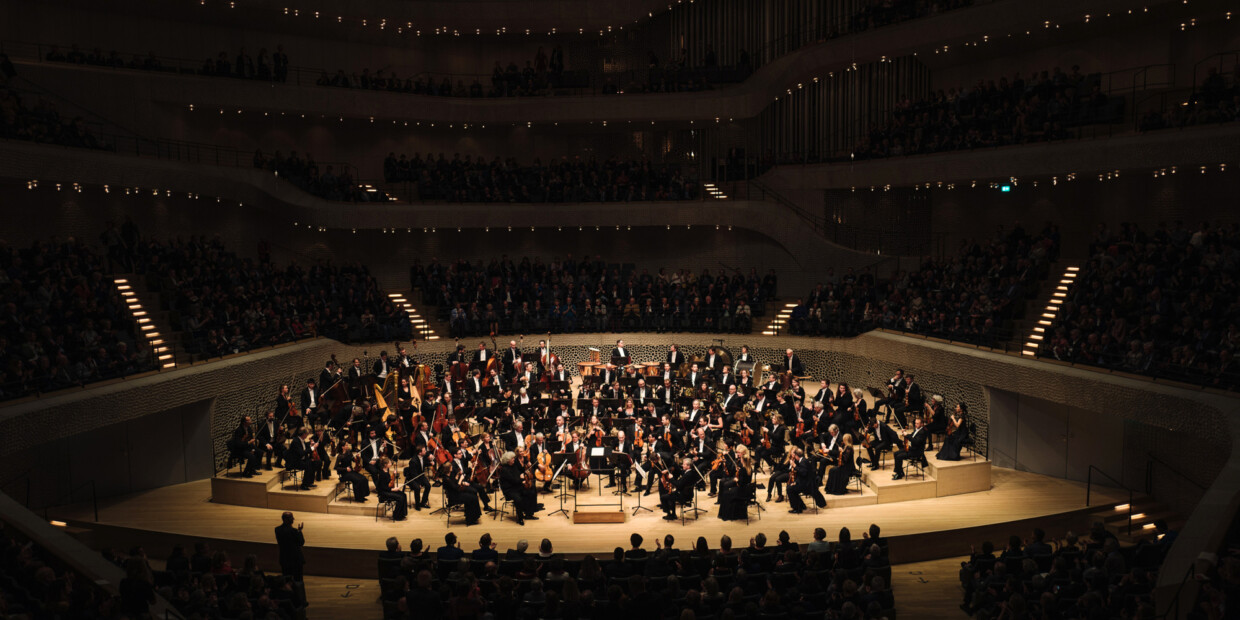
(941, 479)
(361, 563)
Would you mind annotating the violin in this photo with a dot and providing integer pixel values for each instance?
(460, 437)
(598, 436)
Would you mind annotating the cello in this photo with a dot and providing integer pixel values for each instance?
(492, 362)
(580, 468)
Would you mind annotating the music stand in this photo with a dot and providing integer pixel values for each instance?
(562, 457)
(693, 487)
(641, 472)
(615, 460)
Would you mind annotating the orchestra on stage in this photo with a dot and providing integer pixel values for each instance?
(507, 425)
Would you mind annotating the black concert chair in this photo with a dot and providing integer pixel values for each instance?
(752, 501)
(448, 508)
(916, 465)
(969, 443)
(385, 508)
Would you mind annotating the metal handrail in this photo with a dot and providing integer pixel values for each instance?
(1089, 483)
(1149, 473)
(1174, 606)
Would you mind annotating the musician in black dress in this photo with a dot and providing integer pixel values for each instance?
(734, 493)
(460, 492)
(959, 432)
(512, 485)
(837, 478)
(348, 467)
(388, 491)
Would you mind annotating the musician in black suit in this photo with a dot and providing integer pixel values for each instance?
(347, 470)
(713, 362)
(777, 433)
(884, 438)
(895, 392)
(482, 355)
(916, 448)
(913, 397)
(270, 441)
(298, 457)
(675, 357)
(405, 362)
(726, 377)
(311, 401)
(625, 447)
(803, 483)
(673, 491)
(512, 485)
(371, 450)
(516, 438)
(607, 375)
(383, 366)
(793, 363)
(733, 401)
(458, 356)
(416, 478)
(831, 443)
(242, 446)
(473, 386)
(356, 372)
(620, 355)
(695, 376)
(329, 375)
(512, 359)
(460, 492)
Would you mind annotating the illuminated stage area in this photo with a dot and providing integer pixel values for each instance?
(345, 545)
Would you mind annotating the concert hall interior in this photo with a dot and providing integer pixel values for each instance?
(704, 309)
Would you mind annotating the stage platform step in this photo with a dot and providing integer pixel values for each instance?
(907, 489)
(865, 497)
(957, 477)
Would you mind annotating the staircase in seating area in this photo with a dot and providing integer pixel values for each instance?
(780, 313)
(1145, 511)
(152, 325)
(1040, 312)
(422, 330)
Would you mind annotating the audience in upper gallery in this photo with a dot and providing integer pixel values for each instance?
(1156, 304)
(560, 180)
(273, 67)
(969, 297)
(1046, 107)
(1080, 577)
(1215, 101)
(34, 583)
(226, 304)
(836, 580)
(590, 296)
(62, 320)
(331, 184)
(42, 123)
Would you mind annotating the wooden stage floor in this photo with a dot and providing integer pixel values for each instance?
(344, 545)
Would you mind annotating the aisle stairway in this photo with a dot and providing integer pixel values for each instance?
(422, 329)
(152, 322)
